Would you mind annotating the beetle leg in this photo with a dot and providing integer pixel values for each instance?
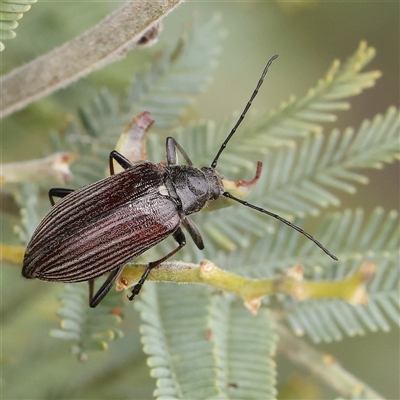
(91, 289)
(120, 159)
(58, 192)
(170, 149)
(105, 288)
(193, 232)
(179, 236)
(172, 158)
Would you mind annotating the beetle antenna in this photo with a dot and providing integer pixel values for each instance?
(245, 203)
(248, 105)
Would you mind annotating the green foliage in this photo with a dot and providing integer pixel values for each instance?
(211, 348)
(244, 346)
(166, 89)
(181, 357)
(10, 12)
(299, 117)
(203, 344)
(27, 199)
(169, 86)
(88, 329)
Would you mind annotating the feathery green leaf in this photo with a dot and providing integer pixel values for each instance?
(88, 329)
(244, 347)
(167, 89)
(298, 118)
(10, 12)
(27, 198)
(181, 356)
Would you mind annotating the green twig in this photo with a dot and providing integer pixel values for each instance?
(350, 289)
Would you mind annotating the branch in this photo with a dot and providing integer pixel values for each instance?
(12, 254)
(106, 42)
(350, 289)
(322, 365)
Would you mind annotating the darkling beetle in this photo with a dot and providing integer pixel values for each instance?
(99, 228)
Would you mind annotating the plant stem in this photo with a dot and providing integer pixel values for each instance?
(252, 290)
(350, 289)
(322, 365)
(106, 42)
(54, 167)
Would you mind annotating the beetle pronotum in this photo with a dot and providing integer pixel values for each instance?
(99, 228)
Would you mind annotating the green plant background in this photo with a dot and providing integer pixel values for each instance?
(308, 36)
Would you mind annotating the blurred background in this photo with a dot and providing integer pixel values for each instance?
(308, 36)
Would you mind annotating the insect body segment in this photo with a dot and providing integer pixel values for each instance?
(99, 228)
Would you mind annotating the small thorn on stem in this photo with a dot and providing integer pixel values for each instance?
(254, 180)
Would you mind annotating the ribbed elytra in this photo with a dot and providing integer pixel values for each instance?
(99, 228)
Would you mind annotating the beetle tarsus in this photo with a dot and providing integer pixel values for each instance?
(136, 290)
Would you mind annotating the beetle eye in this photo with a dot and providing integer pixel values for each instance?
(216, 192)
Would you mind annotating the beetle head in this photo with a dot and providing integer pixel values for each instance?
(195, 187)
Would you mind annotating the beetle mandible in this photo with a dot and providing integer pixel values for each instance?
(99, 228)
